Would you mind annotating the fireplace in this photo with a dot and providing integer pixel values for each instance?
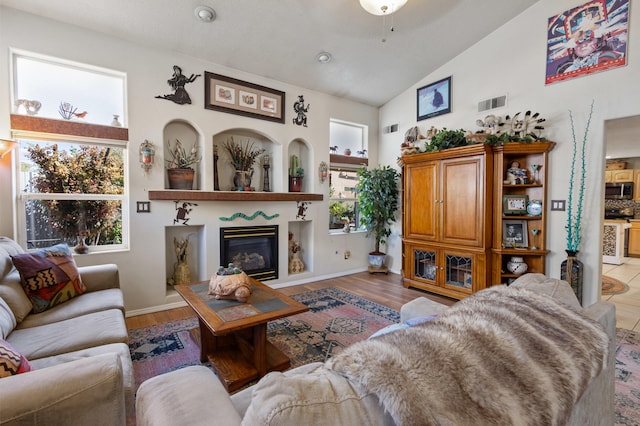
(254, 249)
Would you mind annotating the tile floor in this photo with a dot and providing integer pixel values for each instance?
(627, 304)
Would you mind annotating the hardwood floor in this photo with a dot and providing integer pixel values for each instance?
(384, 289)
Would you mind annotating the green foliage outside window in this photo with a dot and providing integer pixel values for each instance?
(80, 170)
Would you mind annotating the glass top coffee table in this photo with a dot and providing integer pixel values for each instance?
(233, 335)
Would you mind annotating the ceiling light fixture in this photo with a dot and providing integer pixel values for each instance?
(382, 7)
(324, 57)
(205, 13)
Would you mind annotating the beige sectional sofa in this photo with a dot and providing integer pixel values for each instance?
(318, 394)
(82, 372)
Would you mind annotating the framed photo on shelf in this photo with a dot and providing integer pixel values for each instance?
(239, 97)
(513, 205)
(434, 99)
(515, 234)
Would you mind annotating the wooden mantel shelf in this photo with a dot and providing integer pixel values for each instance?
(176, 194)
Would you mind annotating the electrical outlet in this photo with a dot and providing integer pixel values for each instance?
(347, 254)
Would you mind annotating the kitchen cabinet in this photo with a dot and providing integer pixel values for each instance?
(613, 241)
(531, 246)
(625, 175)
(634, 239)
(447, 220)
(636, 185)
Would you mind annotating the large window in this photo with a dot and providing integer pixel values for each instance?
(69, 187)
(70, 190)
(343, 178)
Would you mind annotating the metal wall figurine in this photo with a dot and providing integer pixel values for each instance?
(177, 83)
(301, 112)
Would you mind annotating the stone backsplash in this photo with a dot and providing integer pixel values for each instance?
(622, 204)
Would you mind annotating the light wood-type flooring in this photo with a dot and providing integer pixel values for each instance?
(384, 289)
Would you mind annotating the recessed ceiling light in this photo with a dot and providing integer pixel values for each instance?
(205, 13)
(324, 57)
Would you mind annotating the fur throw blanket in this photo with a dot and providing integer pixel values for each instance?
(502, 356)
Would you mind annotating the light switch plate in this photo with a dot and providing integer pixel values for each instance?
(558, 205)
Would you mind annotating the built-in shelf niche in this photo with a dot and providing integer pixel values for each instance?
(299, 147)
(243, 137)
(188, 136)
(303, 234)
(196, 251)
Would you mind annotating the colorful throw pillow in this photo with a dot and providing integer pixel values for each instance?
(49, 276)
(11, 362)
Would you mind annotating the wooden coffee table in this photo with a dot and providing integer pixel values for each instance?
(233, 335)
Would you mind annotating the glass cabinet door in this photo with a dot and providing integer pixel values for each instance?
(459, 271)
(424, 264)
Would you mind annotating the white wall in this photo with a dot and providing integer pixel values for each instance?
(512, 61)
(142, 268)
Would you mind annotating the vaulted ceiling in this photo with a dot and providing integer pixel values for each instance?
(280, 39)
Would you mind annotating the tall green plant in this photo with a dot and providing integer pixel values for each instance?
(378, 201)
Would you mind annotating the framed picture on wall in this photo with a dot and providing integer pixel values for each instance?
(239, 97)
(586, 39)
(434, 99)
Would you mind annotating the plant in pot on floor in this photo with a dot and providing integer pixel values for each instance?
(378, 201)
(179, 168)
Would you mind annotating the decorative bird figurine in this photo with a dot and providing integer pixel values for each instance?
(80, 114)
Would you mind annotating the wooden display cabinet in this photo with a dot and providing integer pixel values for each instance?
(535, 252)
(447, 220)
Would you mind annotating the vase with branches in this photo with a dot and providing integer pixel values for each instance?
(571, 268)
(243, 157)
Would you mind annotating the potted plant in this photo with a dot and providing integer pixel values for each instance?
(179, 168)
(296, 173)
(242, 158)
(378, 201)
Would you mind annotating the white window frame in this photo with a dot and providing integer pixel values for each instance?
(23, 197)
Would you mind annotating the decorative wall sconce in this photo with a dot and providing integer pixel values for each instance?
(6, 146)
(323, 171)
(147, 152)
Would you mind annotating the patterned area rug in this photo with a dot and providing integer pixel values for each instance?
(627, 377)
(613, 286)
(337, 319)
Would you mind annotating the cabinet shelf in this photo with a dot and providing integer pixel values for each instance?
(520, 252)
(522, 185)
(522, 217)
(176, 194)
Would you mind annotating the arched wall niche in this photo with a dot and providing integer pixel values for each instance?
(258, 140)
(300, 148)
(188, 135)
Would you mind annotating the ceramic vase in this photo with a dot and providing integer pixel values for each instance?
(180, 178)
(571, 272)
(81, 247)
(296, 265)
(181, 274)
(242, 179)
(516, 265)
(295, 183)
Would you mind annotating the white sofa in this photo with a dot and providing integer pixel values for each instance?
(314, 394)
(82, 372)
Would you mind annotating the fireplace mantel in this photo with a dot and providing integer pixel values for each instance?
(176, 194)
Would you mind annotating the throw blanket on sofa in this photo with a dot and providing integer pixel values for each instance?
(502, 356)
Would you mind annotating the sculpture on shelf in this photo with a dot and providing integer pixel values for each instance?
(296, 265)
(230, 283)
(181, 271)
(177, 83)
(31, 107)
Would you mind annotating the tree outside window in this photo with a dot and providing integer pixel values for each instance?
(72, 190)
